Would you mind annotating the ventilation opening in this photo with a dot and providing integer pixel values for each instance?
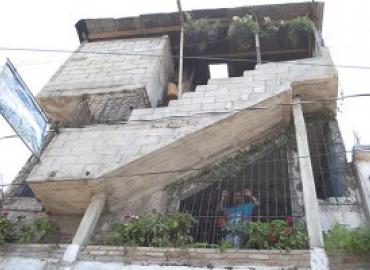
(218, 71)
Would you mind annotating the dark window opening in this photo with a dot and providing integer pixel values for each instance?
(327, 158)
(275, 48)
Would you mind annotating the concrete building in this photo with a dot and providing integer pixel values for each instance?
(123, 147)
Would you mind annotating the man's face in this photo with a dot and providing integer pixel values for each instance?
(238, 198)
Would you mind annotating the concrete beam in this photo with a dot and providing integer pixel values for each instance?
(309, 190)
(361, 159)
(86, 228)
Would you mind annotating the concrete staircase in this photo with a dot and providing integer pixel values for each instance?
(133, 162)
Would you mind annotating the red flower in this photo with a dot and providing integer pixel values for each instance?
(290, 220)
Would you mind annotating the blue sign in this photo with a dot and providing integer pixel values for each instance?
(21, 110)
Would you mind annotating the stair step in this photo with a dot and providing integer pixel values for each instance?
(222, 103)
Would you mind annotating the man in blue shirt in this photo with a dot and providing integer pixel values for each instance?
(239, 210)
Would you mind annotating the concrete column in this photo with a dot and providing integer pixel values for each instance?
(258, 49)
(86, 227)
(295, 185)
(311, 206)
(361, 160)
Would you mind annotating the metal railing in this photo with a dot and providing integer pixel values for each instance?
(259, 191)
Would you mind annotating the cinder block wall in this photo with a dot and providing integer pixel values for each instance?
(108, 67)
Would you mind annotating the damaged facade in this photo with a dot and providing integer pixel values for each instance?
(124, 148)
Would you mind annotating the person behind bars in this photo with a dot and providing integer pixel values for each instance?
(240, 209)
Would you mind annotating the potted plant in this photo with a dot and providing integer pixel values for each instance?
(270, 28)
(298, 25)
(201, 32)
(242, 31)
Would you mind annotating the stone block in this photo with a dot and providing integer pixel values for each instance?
(190, 108)
(259, 256)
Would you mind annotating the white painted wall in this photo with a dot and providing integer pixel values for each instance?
(350, 216)
(17, 263)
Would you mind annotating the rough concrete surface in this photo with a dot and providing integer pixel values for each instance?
(109, 67)
(202, 127)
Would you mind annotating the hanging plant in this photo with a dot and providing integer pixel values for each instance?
(242, 31)
(201, 32)
(270, 28)
(297, 25)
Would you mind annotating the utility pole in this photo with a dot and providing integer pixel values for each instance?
(2, 186)
(181, 54)
(257, 40)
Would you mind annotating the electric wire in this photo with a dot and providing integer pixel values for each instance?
(204, 57)
(165, 172)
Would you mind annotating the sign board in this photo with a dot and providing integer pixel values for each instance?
(21, 110)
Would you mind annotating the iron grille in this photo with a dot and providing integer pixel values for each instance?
(334, 180)
(268, 180)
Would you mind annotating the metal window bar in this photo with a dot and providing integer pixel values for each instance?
(334, 179)
(268, 180)
(108, 108)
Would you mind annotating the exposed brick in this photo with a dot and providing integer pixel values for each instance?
(98, 252)
(259, 256)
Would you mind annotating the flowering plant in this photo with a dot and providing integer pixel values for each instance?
(155, 230)
(40, 230)
(280, 234)
(242, 31)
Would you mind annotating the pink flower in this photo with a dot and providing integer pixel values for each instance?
(290, 220)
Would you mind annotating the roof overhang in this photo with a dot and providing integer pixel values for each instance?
(169, 23)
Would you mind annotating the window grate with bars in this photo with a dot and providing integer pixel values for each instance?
(260, 191)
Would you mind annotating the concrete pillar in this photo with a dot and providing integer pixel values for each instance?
(361, 160)
(296, 194)
(86, 227)
(311, 206)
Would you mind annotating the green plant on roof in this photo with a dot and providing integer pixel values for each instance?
(201, 32)
(242, 31)
(297, 25)
(270, 28)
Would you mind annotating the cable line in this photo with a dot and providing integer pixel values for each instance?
(204, 57)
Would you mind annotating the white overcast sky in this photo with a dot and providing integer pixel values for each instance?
(46, 24)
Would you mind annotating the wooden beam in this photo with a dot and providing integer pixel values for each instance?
(181, 53)
(133, 33)
(224, 22)
(257, 40)
(253, 53)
